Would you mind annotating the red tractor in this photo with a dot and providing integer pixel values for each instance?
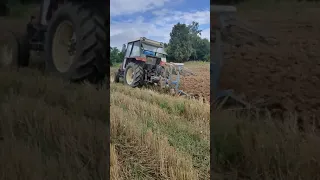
(143, 63)
(73, 34)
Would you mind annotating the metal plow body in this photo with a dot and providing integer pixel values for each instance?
(172, 76)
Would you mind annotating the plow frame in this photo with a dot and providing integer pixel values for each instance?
(221, 14)
(175, 82)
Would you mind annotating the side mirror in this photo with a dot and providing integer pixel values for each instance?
(124, 48)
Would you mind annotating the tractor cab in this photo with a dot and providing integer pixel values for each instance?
(144, 61)
(144, 50)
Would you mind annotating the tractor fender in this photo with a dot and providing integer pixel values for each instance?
(137, 60)
(140, 59)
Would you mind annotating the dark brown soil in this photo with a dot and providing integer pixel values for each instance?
(285, 76)
(198, 85)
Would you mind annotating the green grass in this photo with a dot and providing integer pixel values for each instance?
(165, 117)
(115, 65)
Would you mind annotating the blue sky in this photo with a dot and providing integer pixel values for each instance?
(154, 19)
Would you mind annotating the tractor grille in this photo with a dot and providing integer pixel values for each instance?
(153, 60)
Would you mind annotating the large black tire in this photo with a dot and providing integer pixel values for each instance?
(89, 25)
(15, 51)
(115, 78)
(138, 77)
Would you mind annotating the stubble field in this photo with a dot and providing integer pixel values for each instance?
(282, 78)
(159, 136)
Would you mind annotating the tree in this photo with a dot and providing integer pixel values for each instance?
(186, 44)
(195, 38)
(180, 47)
(194, 29)
(196, 43)
(116, 56)
(201, 49)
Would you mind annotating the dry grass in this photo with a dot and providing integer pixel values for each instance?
(158, 136)
(264, 148)
(50, 129)
(53, 130)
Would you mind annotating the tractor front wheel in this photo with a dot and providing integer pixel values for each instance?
(133, 75)
(114, 77)
(15, 51)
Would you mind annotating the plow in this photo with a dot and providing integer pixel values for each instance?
(172, 76)
(145, 63)
(224, 22)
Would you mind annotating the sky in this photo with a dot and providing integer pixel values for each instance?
(154, 19)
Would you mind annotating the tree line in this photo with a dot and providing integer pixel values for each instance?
(116, 56)
(185, 44)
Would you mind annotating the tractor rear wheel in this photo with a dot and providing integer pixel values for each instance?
(134, 75)
(76, 43)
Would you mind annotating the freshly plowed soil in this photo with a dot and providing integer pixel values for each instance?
(285, 76)
(198, 84)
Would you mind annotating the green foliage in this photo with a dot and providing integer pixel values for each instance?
(116, 56)
(201, 49)
(180, 44)
(186, 44)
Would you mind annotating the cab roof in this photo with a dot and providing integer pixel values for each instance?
(149, 41)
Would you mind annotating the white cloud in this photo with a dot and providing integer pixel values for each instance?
(206, 33)
(157, 28)
(200, 16)
(125, 7)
